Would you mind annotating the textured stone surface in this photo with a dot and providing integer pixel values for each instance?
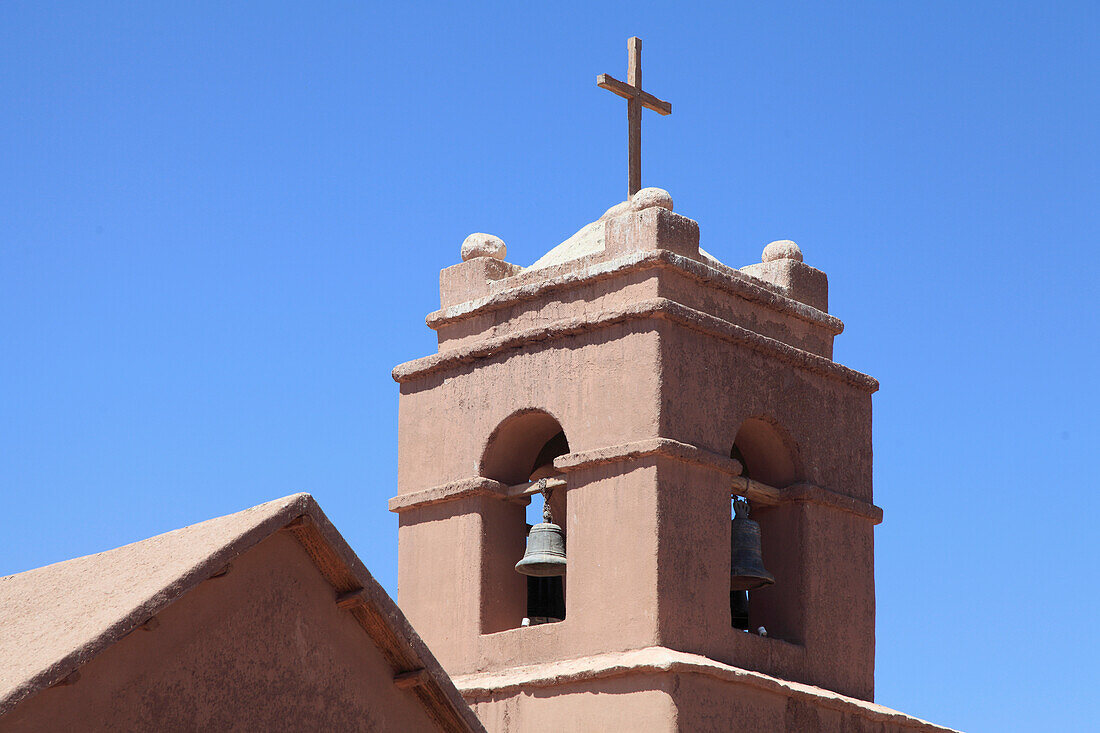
(483, 245)
(781, 249)
(795, 279)
(653, 228)
(469, 280)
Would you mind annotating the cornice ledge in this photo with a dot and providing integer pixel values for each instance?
(810, 494)
(476, 486)
(732, 281)
(653, 446)
(751, 288)
(721, 328)
(654, 307)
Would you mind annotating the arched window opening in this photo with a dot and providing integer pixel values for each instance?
(763, 453)
(546, 596)
(766, 458)
(517, 445)
(522, 449)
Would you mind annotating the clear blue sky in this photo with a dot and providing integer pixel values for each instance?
(221, 227)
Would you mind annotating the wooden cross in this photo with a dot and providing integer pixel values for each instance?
(635, 100)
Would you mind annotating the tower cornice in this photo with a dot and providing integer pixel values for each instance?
(651, 309)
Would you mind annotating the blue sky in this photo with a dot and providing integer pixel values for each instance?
(221, 227)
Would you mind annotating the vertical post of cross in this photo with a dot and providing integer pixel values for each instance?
(634, 114)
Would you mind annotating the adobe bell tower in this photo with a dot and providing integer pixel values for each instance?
(646, 384)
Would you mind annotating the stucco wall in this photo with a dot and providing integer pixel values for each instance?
(707, 704)
(263, 647)
(628, 703)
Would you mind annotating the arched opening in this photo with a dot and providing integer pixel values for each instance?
(517, 445)
(763, 452)
(766, 457)
(522, 449)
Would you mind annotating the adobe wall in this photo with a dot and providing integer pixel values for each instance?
(821, 552)
(708, 704)
(600, 385)
(824, 411)
(625, 703)
(263, 647)
(460, 553)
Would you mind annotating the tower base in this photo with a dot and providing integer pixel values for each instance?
(659, 689)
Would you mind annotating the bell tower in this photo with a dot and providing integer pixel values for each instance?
(649, 386)
(705, 559)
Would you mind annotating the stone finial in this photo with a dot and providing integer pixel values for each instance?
(647, 198)
(483, 245)
(782, 249)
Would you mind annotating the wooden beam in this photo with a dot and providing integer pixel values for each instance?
(70, 679)
(351, 599)
(222, 572)
(297, 522)
(611, 84)
(407, 680)
(755, 491)
(530, 488)
(626, 91)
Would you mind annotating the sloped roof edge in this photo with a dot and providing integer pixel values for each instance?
(76, 630)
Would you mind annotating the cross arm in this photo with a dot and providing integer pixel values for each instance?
(611, 84)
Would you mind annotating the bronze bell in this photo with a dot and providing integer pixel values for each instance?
(545, 553)
(747, 569)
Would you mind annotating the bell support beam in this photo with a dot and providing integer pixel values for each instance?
(523, 492)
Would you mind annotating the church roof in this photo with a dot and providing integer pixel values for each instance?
(56, 618)
(591, 238)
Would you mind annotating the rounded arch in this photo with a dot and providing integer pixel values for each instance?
(520, 444)
(766, 452)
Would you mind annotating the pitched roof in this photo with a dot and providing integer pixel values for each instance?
(56, 618)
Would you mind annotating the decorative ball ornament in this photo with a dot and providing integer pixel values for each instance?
(483, 245)
(782, 249)
(647, 198)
